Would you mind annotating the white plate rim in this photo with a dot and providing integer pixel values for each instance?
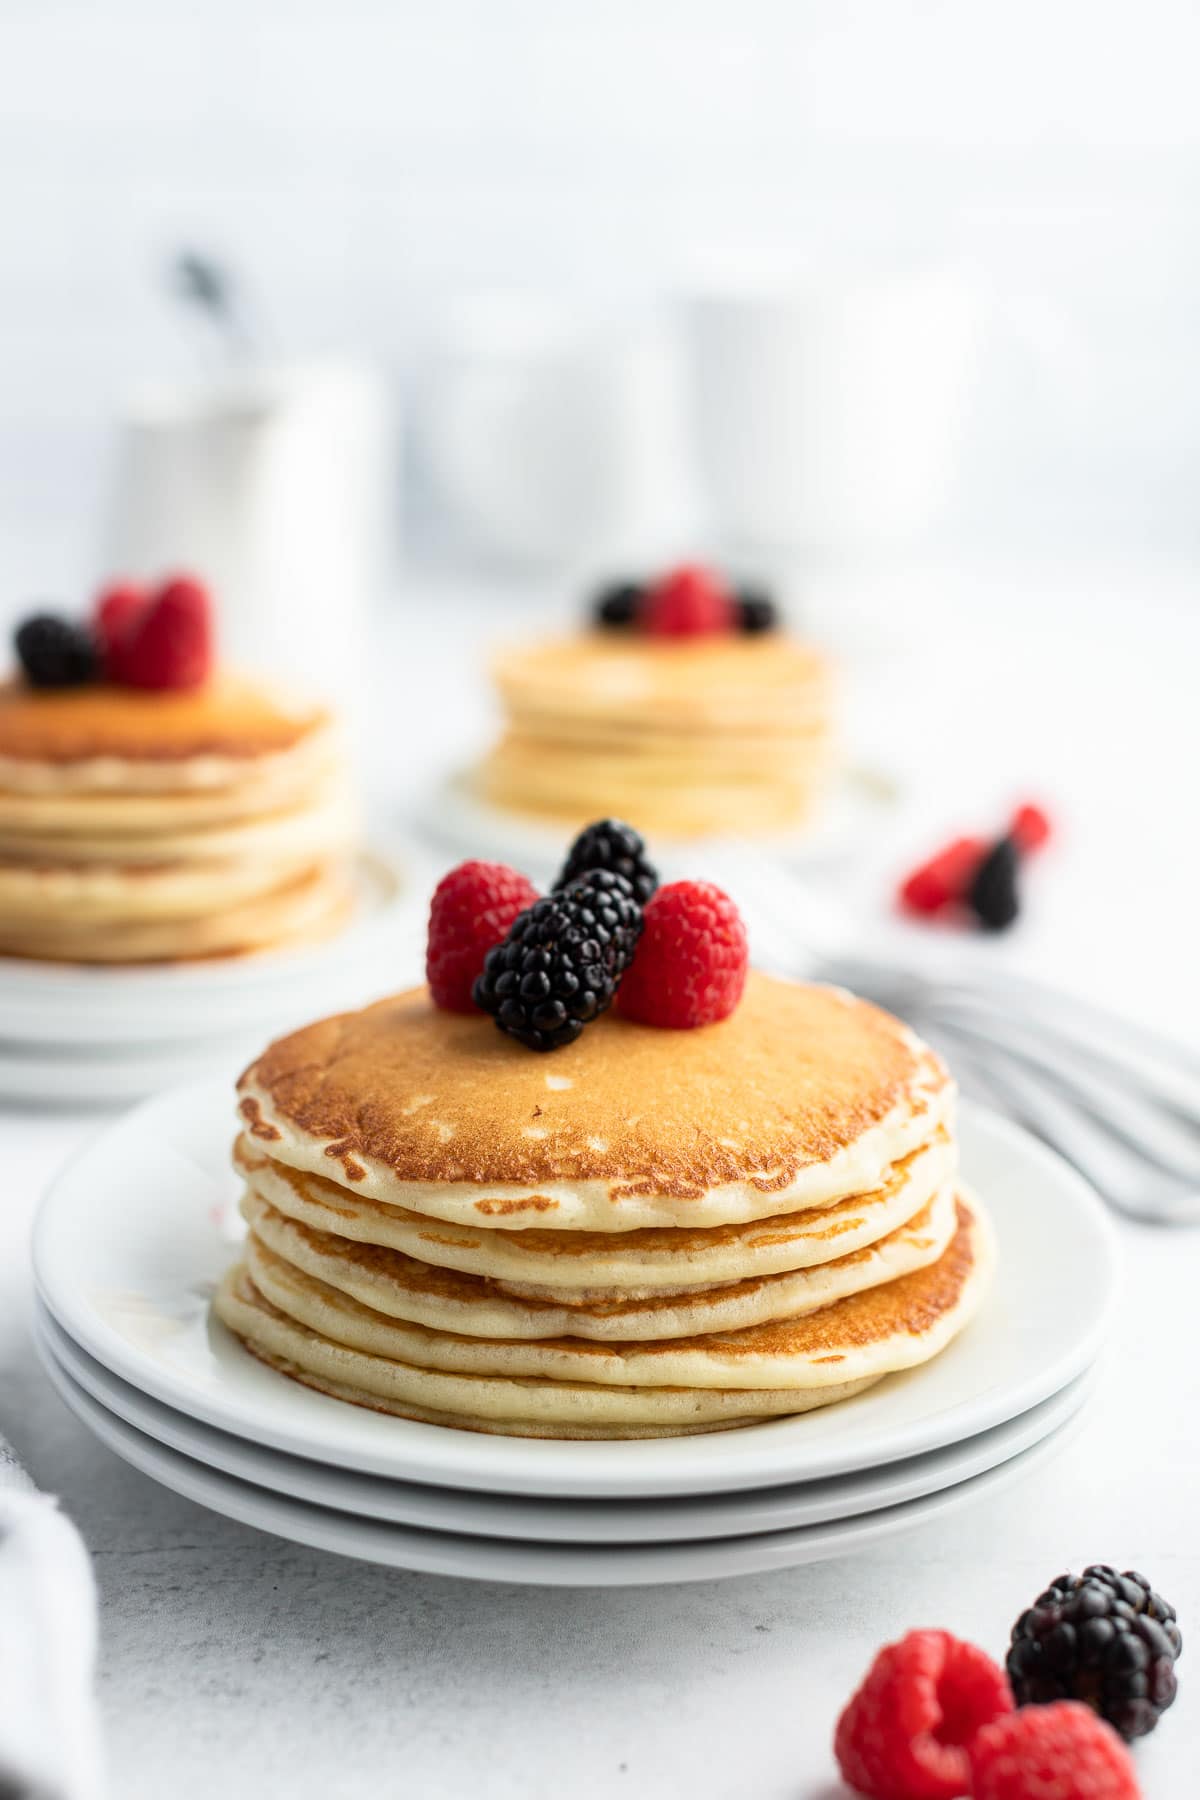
(741, 1514)
(756, 1456)
(527, 1564)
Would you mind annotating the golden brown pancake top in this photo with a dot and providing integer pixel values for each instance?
(226, 717)
(726, 678)
(795, 1075)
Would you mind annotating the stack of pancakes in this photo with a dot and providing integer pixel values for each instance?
(139, 826)
(684, 737)
(648, 1233)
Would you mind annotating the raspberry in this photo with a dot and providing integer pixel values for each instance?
(116, 608)
(54, 653)
(690, 967)
(1029, 828)
(1059, 1752)
(169, 642)
(945, 878)
(472, 909)
(689, 602)
(903, 1736)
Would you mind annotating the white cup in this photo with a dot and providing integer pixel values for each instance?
(554, 438)
(828, 407)
(272, 487)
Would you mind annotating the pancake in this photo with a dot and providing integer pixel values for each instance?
(144, 826)
(701, 798)
(482, 1403)
(763, 1372)
(578, 1267)
(719, 682)
(115, 737)
(685, 737)
(889, 1325)
(302, 911)
(401, 1287)
(803, 1097)
(108, 825)
(325, 822)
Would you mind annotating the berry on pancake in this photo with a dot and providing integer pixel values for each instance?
(54, 652)
(168, 643)
(691, 601)
(559, 966)
(472, 909)
(690, 967)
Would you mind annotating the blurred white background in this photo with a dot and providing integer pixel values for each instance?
(360, 163)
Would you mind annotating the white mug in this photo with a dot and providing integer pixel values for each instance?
(554, 438)
(271, 486)
(828, 407)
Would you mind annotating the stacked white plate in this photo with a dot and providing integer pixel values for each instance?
(73, 1034)
(134, 1235)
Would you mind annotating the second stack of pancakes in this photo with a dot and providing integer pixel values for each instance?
(687, 737)
(650, 1233)
(144, 826)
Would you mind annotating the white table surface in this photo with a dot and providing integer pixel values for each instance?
(237, 1664)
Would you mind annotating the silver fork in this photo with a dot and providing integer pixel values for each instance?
(1119, 1102)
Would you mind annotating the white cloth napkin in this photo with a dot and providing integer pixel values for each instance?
(49, 1727)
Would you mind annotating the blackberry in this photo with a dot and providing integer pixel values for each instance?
(617, 605)
(1103, 1638)
(559, 966)
(54, 653)
(756, 611)
(992, 894)
(611, 844)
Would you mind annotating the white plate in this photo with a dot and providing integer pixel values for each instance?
(860, 804)
(566, 1521)
(541, 1565)
(118, 1075)
(136, 1231)
(65, 1007)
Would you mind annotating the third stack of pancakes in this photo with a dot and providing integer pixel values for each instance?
(158, 826)
(649, 1234)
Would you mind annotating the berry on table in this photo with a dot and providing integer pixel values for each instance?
(1103, 1638)
(611, 844)
(756, 612)
(992, 892)
(690, 601)
(617, 606)
(55, 653)
(903, 1735)
(690, 967)
(1059, 1752)
(1029, 828)
(943, 880)
(560, 963)
(472, 909)
(168, 644)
